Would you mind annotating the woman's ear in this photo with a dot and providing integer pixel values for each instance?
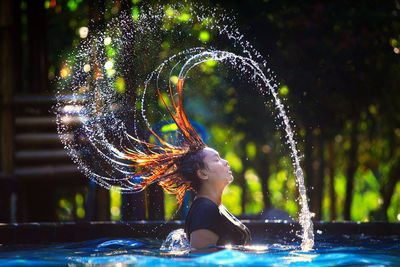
(202, 173)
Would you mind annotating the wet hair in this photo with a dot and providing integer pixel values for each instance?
(174, 168)
(188, 166)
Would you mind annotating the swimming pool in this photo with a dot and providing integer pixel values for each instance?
(374, 244)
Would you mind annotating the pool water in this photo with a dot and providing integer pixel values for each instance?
(329, 250)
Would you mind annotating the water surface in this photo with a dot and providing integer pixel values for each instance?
(329, 250)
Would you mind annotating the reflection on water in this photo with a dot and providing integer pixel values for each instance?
(296, 256)
(328, 251)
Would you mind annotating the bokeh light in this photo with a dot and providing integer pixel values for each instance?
(83, 32)
(64, 72)
(204, 36)
(109, 65)
(86, 68)
(174, 79)
(120, 85)
(107, 40)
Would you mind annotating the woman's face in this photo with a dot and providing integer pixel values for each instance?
(217, 169)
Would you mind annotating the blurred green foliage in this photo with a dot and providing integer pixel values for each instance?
(115, 204)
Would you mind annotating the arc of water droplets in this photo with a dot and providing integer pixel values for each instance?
(202, 56)
(97, 136)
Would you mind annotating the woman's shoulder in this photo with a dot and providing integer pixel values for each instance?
(202, 204)
(203, 209)
(203, 214)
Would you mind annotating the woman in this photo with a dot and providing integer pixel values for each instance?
(208, 222)
(190, 166)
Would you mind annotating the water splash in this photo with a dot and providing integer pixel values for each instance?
(176, 243)
(109, 94)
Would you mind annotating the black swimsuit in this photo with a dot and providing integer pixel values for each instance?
(205, 214)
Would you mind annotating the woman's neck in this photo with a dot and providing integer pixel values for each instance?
(213, 194)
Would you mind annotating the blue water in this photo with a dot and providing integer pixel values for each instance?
(329, 251)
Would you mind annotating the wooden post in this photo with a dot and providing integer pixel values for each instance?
(8, 85)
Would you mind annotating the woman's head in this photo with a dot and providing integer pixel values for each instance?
(217, 172)
(204, 166)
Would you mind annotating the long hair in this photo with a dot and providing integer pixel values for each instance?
(174, 168)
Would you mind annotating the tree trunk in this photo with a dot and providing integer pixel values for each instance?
(351, 169)
(243, 185)
(308, 166)
(102, 204)
(262, 168)
(129, 63)
(37, 45)
(332, 193)
(155, 203)
(133, 207)
(394, 177)
(319, 181)
(101, 196)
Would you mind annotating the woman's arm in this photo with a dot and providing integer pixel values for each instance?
(203, 237)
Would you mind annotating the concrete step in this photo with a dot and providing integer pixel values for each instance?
(42, 157)
(35, 121)
(41, 154)
(39, 140)
(41, 105)
(37, 100)
(32, 124)
(45, 172)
